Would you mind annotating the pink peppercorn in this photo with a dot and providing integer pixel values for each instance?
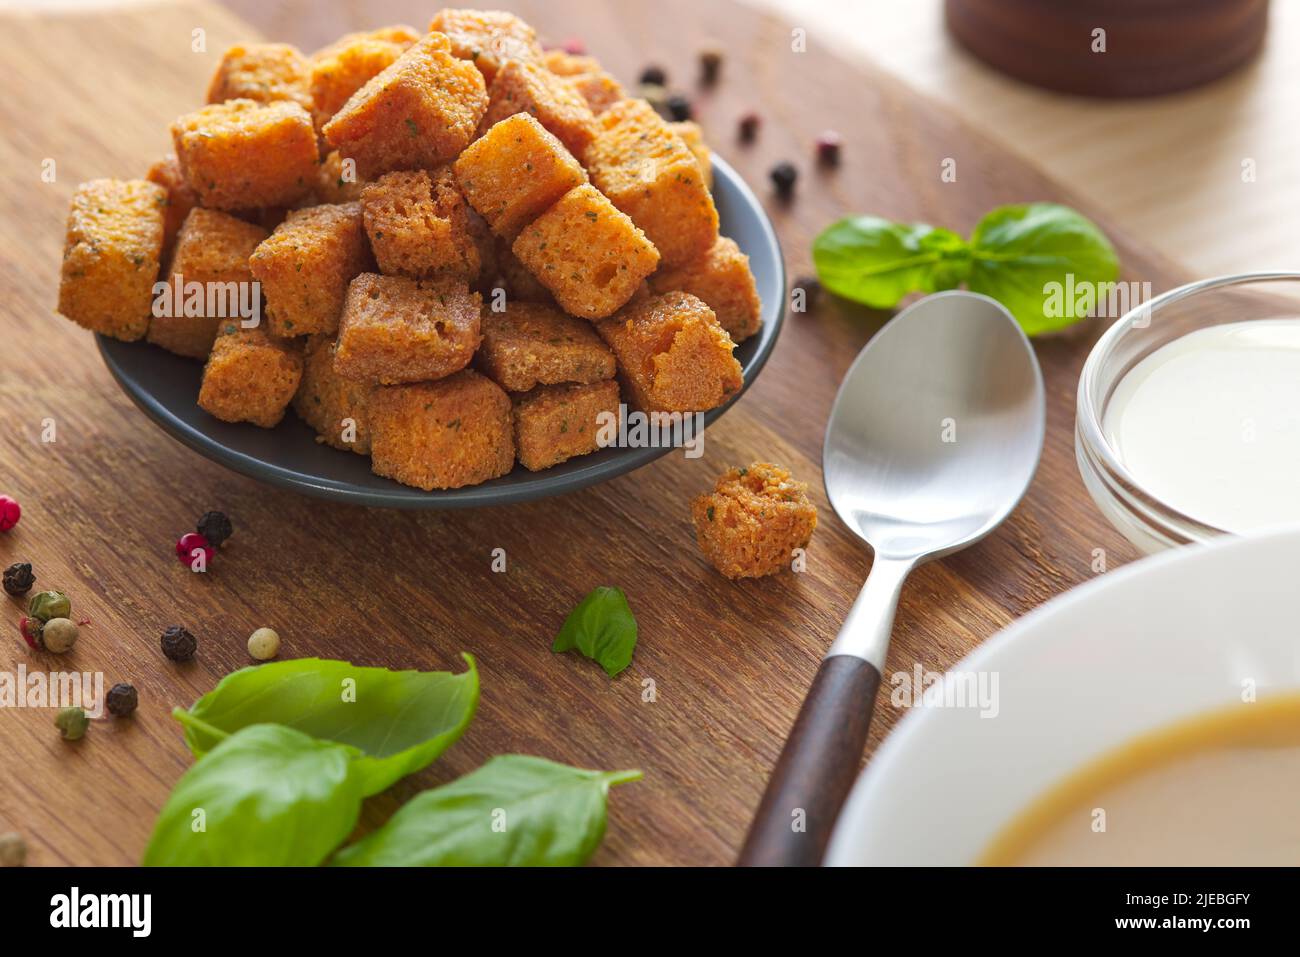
(828, 148)
(575, 47)
(30, 628)
(187, 544)
(10, 512)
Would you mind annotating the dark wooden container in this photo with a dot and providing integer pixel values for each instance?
(1152, 46)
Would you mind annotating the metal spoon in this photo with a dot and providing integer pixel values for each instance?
(933, 439)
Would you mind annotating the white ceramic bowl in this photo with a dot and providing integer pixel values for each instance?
(1141, 647)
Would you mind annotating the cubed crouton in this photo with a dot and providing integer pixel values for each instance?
(672, 354)
(447, 434)
(590, 255)
(305, 267)
(419, 112)
(242, 154)
(337, 408)
(651, 174)
(337, 181)
(531, 344)
(346, 65)
(752, 522)
(111, 256)
(487, 38)
(250, 376)
(397, 329)
(693, 137)
(180, 198)
(522, 87)
(593, 83)
(519, 284)
(213, 248)
(419, 225)
(723, 280)
(554, 423)
(515, 172)
(264, 72)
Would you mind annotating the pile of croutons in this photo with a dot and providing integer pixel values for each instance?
(463, 249)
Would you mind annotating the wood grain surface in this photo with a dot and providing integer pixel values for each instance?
(729, 662)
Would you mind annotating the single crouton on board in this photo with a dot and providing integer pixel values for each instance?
(111, 255)
(753, 521)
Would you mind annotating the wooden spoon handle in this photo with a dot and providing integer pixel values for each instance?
(816, 769)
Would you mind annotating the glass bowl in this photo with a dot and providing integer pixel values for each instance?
(1144, 519)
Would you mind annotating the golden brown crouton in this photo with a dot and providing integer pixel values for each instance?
(531, 344)
(419, 225)
(521, 87)
(337, 408)
(264, 72)
(752, 522)
(722, 278)
(250, 376)
(554, 423)
(487, 38)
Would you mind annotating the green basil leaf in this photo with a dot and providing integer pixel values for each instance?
(877, 262)
(1025, 255)
(266, 796)
(401, 720)
(602, 628)
(513, 811)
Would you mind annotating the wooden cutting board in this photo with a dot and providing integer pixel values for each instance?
(729, 662)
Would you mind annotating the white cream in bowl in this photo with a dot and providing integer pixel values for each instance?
(1210, 424)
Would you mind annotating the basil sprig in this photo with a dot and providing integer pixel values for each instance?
(514, 810)
(1014, 255)
(400, 721)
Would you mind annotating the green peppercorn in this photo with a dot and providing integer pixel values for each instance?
(59, 635)
(178, 644)
(72, 723)
(13, 850)
(18, 578)
(49, 604)
(122, 700)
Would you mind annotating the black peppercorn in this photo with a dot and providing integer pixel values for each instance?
(215, 527)
(783, 177)
(679, 108)
(749, 124)
(812, 290)
(710, 66)
(122, 700)
(178, 644)
(653, 76)
(18, 578)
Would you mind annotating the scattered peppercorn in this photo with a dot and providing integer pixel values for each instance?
(575, 47)
(679, 108)
(264, 644)
(710, 66)
(178, 644)
(749, 124)
(49, 604)
(72, 723)
(783, 178)
(654, 76)
(13, 850)
(59, 635)
(30, 629)
(215, 527)
(188, 544)
(10, 512)
(122, 700)
(18, 578)
(812, 289)
(828, 148)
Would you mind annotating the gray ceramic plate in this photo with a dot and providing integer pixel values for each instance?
(165, 387)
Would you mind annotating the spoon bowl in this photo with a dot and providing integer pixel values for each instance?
(937, 428)
(933, 439)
